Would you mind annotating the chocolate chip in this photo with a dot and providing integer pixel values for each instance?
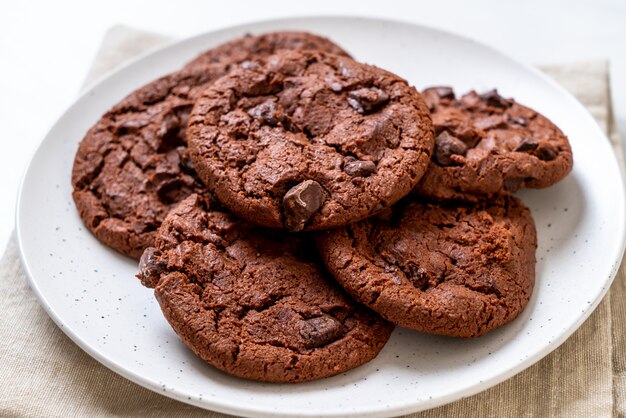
(418, 276)
(151, 267)
(367, 100)
(520, 120)
(301, 202)
(470, 100)
(494, 99)
(250, 65)
(396, 279)
(443, 92)
(265, 113)
(491, 122)
(356, 105)
(528, 144)
(321, 331)
(344, 70)
(358, 168)
(333, 84)
(546, 153)
(467, 133)
(446, 146)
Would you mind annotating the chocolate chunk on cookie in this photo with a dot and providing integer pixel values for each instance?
(256, 303)
(133, 165)
(358, 137)
(301, 202)
(239, 50)
(488, 145)
(450, 268)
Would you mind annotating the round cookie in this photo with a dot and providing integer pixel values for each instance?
(308, 140)
(450, 268)
(254, 303)
(132, 166)
(487, 145)
(239, 50)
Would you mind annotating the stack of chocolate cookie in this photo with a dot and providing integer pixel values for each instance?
(289, 204)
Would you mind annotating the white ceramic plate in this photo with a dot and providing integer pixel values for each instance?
(90, 292)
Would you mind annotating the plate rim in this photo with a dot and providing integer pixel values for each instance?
(232, 408)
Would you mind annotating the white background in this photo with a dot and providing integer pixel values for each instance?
(46, 48)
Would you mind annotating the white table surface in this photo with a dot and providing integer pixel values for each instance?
(46, 48)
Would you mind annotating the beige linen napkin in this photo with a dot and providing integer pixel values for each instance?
(44, 374)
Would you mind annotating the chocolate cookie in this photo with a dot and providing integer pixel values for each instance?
(132, 166)
(451, 269)
(239, 50)
(488, 145)
(309, 140)
(255, 303)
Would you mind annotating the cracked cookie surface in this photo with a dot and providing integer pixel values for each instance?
(450, 268)
(133, 165)
(239, 50)
(488, 145)
(308, 140)
(255, 303)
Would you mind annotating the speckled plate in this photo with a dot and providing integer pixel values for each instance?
(90, 292)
